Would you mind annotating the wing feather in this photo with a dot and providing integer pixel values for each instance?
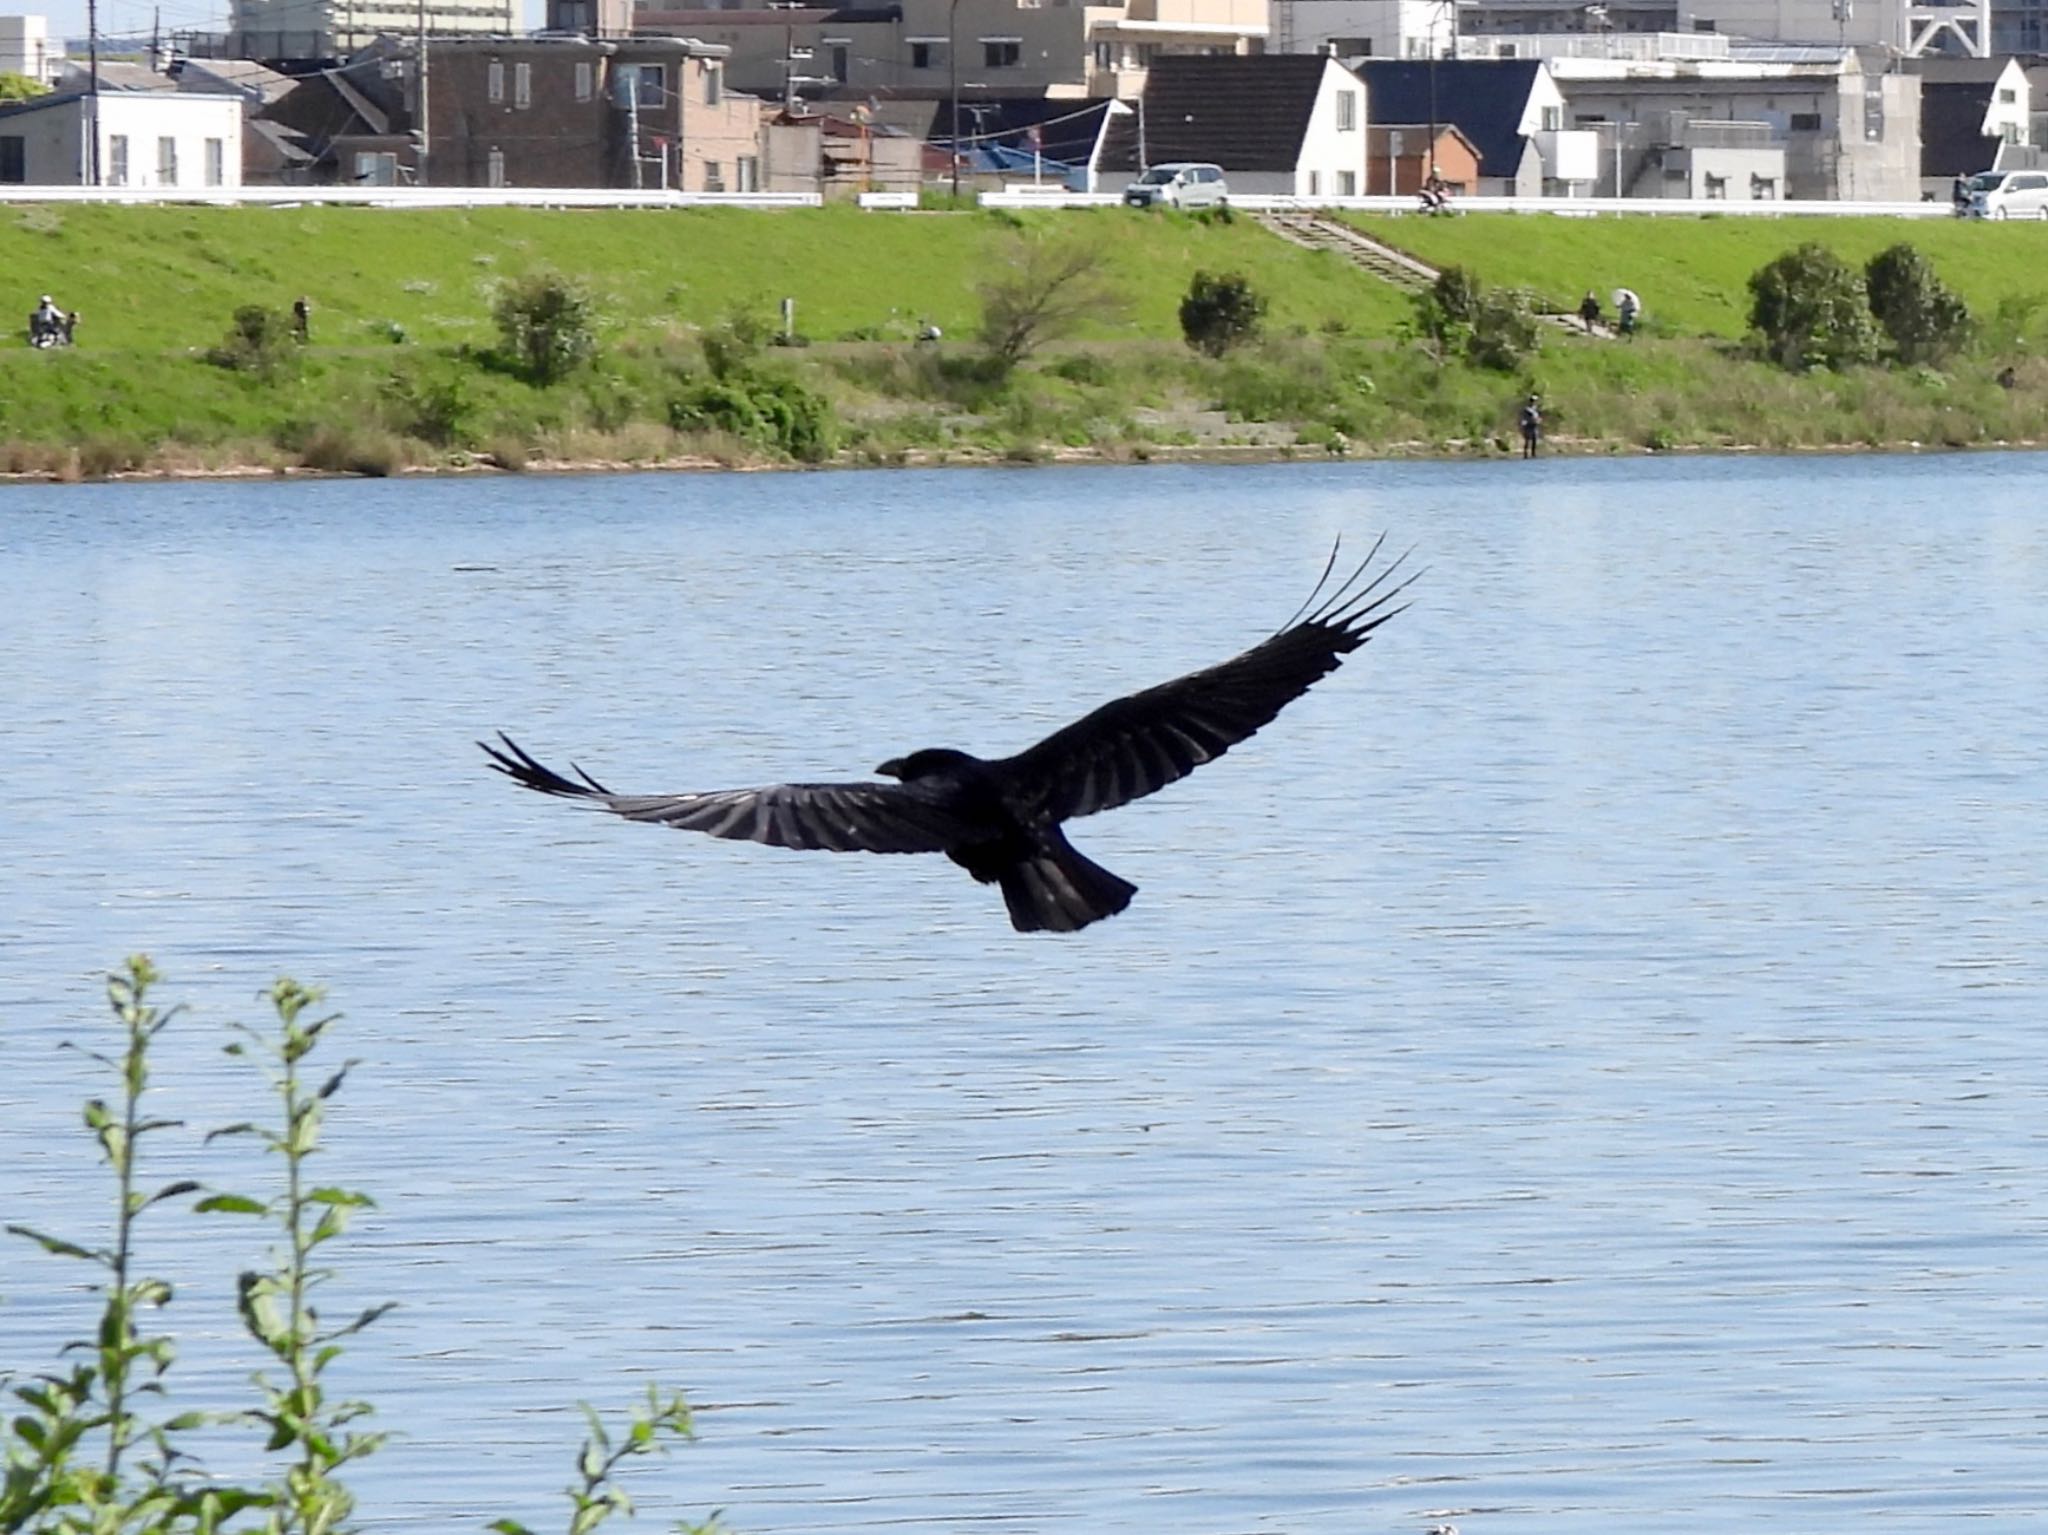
(837, 817)
(1136, 745)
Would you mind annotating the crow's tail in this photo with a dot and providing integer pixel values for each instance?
(1056, 890)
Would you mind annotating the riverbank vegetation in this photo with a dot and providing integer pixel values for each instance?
(668, 341)
(96, 1443)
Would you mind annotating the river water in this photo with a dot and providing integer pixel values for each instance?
(1583, 1066)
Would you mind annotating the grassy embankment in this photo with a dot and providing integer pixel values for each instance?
(399, 370)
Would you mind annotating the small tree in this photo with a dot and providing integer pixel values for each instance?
(548, 325)
(1041, 290)
(260, 341)
(1808, 309)
(1220, 312)
(1924, 317)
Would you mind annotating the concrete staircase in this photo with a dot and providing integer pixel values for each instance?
(1319, 231)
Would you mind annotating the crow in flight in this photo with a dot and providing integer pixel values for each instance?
(1001, 820)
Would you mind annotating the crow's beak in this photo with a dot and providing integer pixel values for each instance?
(893, 768)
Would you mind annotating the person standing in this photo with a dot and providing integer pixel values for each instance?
(1532, 426)
(1628, 307)
(1589, 310)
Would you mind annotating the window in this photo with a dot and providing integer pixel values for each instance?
(494, 85)
(920, 55)
(1553, 119)
(1806, 122)
(1347, 111)
(746, 173)
(586, 80)
(1347, 183)
(216, 162)
(117, 160)
(840, 53)
(1001, 52)
(714, 176)
(574, 16)
(376, 168)
(522, 85)
(13, 159)
(496, 166)
(166, 162)
(714, 84)
(2008, 97)
(1717, 187)
(649, 83)
(1315, 183)
(1763, 189)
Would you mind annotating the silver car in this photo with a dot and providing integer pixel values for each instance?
(2009, 195)
(1179, 184)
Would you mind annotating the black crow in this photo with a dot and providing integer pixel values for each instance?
(1001, 820)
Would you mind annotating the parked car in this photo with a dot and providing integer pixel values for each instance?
(2009, 195)
(1179, 184)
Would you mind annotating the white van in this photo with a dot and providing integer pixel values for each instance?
(1179, 184)
(2009, 195)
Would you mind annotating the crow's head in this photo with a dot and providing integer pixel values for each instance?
(932, 762)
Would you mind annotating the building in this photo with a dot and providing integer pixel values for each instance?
(934, 49)
(142, 139)
(1846, 121)
(1400, 156)
(1510, 110)
(1975, 115)
(307, 30)
(1280, 125)
(26, 48)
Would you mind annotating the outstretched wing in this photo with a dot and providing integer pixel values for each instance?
(1136, 745)
(836, 817)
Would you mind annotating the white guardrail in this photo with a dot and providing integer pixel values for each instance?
(1568, 207)
(1015, 196)
(410, 197)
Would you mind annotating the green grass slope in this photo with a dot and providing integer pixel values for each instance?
(155, 278)
(1693, 273)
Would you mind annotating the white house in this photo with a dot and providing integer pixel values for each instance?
(145, 139)
(1280, 124)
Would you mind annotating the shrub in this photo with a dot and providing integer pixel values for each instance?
(259, 341)
(1808, 309)
(1219, 312)
(1041, 290)
(770, 412)
(1924, 317)
(547, 325)
(1502, 330)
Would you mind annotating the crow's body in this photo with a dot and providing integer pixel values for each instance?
(1000, 819)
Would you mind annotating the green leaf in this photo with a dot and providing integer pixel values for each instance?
(173, 1190)
(57, 1245)
(244, 1128)
(508, 1527)
(232, 1204)
(341, 1197)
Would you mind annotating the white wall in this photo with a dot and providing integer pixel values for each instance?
(27, 48)
(54, 138)
(1326, 149)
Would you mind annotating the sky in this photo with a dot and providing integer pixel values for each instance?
(134, 18)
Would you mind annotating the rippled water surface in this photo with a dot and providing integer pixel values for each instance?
(1582, 1067)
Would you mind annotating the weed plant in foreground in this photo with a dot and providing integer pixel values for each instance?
(94, 1445)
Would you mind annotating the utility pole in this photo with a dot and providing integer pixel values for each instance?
(92, 95)
(953, 64)
(419, 167)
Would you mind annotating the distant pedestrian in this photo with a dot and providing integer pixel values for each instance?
(1627, 307)
(302, 319)
(1589, 310)
(1959, 196)
(1532, 426)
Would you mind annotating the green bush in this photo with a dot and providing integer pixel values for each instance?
(260, 341)
(1808, 309)
(766, 410)
(547, 326)
(1923, 316)
(1219, 312)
